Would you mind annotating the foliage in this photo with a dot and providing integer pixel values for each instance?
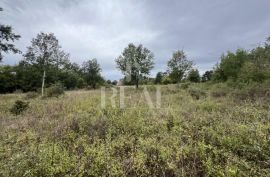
(19, 107)
(220, 90)
(91, 72)
(159, 77)
(243, 66)
(114, 82)
(45, 52)
(197, 93)
(6, 36)
(253, 92)
(185, 85)
(166, 80)
(194, 76)
(72, 136)
(55, 90)
(8, 79)
(179, 66)
(207, 76)
(135, 63)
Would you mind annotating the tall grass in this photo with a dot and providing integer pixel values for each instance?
(210, 134)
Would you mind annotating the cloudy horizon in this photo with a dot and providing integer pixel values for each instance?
(103, 28)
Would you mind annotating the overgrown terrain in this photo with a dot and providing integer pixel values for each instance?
(199, 130)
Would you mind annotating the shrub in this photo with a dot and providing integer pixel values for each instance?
(219, 92)
(97, 128)
(185, 85)
(74, 125)
(170, 124)
(196, 93)
(166, 80)
(31, 95)
(55, 90)
(252, 93)
(97, 86)
(19, 107)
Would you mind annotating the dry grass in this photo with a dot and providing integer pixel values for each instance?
(73, 136)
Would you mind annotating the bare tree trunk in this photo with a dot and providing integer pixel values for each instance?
(43, 83)
(137, 83)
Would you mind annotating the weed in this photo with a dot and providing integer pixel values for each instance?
(197, 93)
(19, 107)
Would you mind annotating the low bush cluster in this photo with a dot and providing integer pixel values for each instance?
(197, 93)
(19, 107)
(188, 136)
(55, 90)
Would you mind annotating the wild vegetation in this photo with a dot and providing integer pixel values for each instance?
(56, 122)
(198, 130)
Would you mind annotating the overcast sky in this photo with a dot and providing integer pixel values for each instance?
(102, 28)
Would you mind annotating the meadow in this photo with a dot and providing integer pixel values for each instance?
(196, 130)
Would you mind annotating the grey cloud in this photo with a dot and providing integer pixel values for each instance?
(102, 28)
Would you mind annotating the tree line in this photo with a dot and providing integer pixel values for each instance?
(45, 63)
(242, 66)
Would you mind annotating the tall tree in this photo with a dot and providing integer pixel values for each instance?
(207, 76)
(6, 38)
(91, 71)
(135, 63)
(230, 65)
(179, 66)
(194, 76)
(45, 52)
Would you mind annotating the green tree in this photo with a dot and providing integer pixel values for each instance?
(45, 53)
(207, 76)
(179, 66)
(114, 82)
(230, 65)
(109, 82)
(8, 81)
(159, 77)
(7, 36)
(135, 63)
(91, 71)
(29, 76)
(166, 80)
(194, 76)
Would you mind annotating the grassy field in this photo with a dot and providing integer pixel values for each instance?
(198, 130)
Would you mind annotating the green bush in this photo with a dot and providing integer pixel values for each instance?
(197, 93)
(74, 136)
(185, 85)
(220, 90)
(19, 107)
(252, 92)
(166, 80)
(55, 90)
